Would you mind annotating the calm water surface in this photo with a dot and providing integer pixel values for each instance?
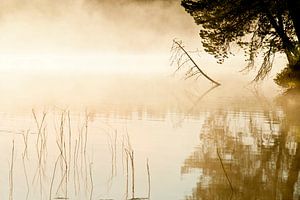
(159, 141)
(89, 109)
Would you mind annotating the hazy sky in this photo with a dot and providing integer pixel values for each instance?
(111, 36)
(52, 50)
(52, 26)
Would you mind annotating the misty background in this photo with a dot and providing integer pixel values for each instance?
(84, 26)
(98, 34)
(55, 51)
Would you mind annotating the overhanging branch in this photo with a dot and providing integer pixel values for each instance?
(177, 47)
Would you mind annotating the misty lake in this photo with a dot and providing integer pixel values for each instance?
(90, 108)
(124, 137)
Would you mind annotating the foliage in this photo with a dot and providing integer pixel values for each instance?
(288, 78)
(258, 26)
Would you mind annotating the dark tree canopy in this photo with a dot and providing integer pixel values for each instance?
(258, 26)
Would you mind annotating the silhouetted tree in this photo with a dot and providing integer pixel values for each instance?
(258, 26)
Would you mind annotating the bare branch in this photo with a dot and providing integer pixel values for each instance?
(182, 57)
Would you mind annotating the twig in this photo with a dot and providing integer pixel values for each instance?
(86, 130)
(126, 192)
(132, 172)
(53, 177)
(26, 176)
(227, 177)
(131, 157)
(148, 176)
(11, 169)
(92, 183)
(194, 63)
(70, 142)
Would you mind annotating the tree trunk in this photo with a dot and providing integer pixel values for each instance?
(293, 174)
(294, 7)
(293, 58)
(290, 48)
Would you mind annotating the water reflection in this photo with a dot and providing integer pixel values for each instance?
(127, 137)
(259, 151)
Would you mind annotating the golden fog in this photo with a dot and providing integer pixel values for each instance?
(92, 52)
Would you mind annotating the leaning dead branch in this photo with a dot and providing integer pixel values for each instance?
(182, 59)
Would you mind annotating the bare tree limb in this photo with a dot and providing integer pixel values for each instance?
(177, 47)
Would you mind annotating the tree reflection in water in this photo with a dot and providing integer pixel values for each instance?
(259, 149)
